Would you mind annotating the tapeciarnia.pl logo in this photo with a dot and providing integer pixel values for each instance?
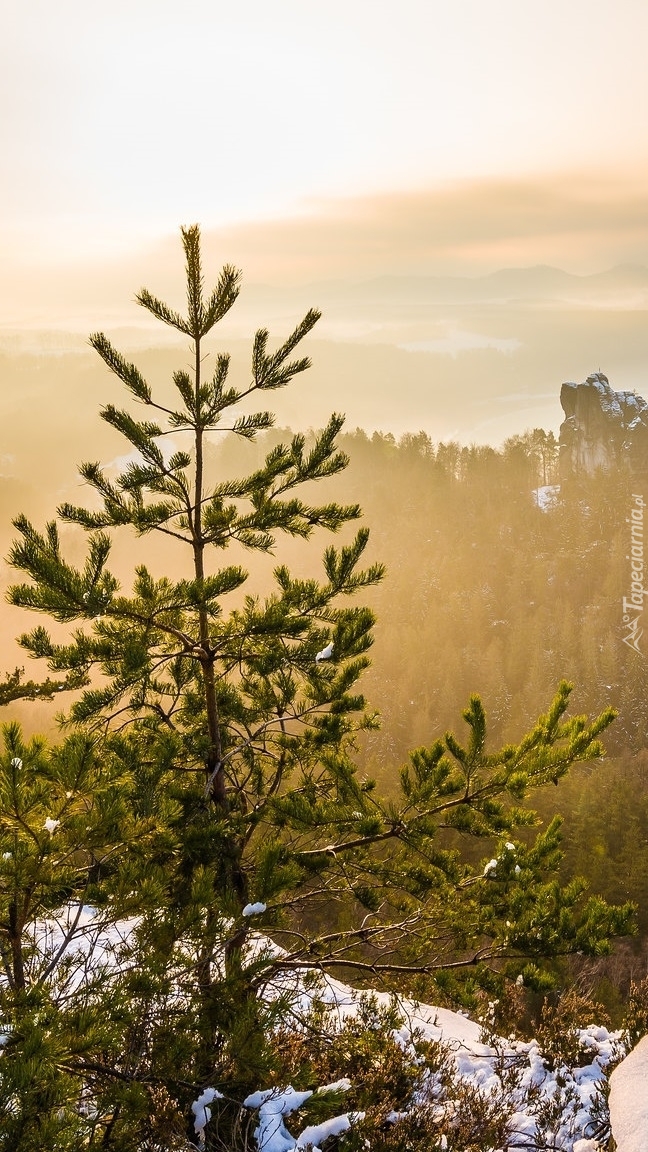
(634, 603)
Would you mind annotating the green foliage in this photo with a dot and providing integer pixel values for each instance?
(68, 838)
(15, 688)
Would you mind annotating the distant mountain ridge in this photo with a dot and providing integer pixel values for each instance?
(74, 302)
(505, 284)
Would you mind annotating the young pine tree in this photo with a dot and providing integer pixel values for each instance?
(233, 718)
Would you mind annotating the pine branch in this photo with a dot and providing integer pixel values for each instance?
(162, 312)
(15, 688)
(221, 299)
(270, 372)
(127, 372)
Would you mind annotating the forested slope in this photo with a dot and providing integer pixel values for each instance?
(487, 592)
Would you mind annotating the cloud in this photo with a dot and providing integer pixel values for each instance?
(581, 221)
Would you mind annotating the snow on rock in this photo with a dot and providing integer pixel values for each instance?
(428, 1021)
(254, 909)
(534, 1092)
(81, 938)
(629, 1100)
(553, 1108)
(603, 430)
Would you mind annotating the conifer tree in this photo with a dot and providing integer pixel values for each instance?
(231, 718)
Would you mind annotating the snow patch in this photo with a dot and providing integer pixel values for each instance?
(202, 1111)
(546, 496)
(342, 1085)
(318, 1133)
(254, 909)
(273, 1136)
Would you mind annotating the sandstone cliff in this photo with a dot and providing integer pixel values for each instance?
(603, 430)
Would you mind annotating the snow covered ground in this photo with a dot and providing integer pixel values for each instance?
(562, 1109)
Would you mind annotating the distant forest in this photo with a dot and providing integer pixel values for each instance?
(487, 591)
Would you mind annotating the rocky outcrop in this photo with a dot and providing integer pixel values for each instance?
(629, 1100)
(603, 430)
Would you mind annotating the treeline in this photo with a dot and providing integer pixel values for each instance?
(486, 591)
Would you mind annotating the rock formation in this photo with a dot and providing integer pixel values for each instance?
(603, 430)
(629, 1100)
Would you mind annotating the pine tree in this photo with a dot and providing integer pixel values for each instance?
(233, 729)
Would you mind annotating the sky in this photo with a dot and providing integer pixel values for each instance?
(123, 120)
(340, 154)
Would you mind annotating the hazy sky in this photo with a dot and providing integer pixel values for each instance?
(334, 142)
(122, 120)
